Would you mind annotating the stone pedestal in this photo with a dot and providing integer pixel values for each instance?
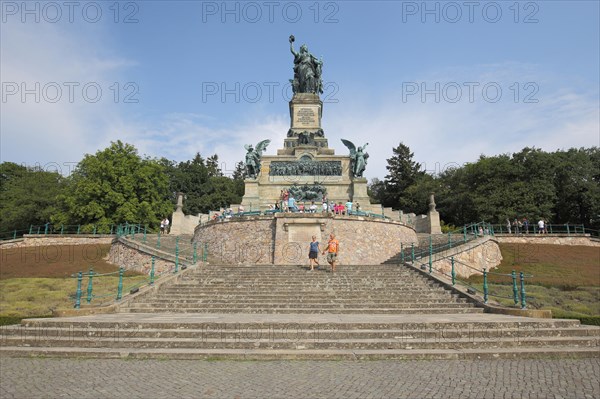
(434, 222)
(434, 217)
(306, 110)
(359, 194)
(251, 199)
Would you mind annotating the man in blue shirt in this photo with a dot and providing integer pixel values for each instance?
(292, 204)
(349, 207)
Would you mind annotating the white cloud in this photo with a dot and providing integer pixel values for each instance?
(444, 133)
(180, 136)
(438, 133)
(64, 116)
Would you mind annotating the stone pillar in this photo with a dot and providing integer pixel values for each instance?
(433, 217)
(179, 202)
(251, 199)
(359, 194)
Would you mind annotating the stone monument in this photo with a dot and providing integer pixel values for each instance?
(306, 165)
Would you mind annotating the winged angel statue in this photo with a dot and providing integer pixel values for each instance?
(253, 157)
(358, 158)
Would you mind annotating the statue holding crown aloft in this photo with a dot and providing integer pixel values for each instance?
(307, 71)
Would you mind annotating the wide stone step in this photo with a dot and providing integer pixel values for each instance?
(292, 331)
(301, 284)
(336, 310)
(307, 300)
(372, 321)
(301, 354)
(285, 289)
(309, 275)
(293, 305)
(302, 344)
(300, 296)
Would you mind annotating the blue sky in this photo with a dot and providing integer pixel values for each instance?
(452, 80)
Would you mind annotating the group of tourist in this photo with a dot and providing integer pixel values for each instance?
(287, 203)
(332, 250)
(520, 226)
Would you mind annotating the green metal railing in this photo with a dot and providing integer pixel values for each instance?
(568, 229)
(75, 229)
(518, 296)
(459, 237)
(454, 238)
(183, 256)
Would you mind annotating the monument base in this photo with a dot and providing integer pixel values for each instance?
(251, 200)
(283, 239)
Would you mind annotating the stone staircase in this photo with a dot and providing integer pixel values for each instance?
(288, 312)
(294, 289)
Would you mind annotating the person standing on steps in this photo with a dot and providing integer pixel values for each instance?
(313, 253)
(333, 248)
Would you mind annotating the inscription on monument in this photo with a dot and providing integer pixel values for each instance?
(306, 117)
(303, 233)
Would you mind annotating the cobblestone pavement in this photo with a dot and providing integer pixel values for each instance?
(106, 378)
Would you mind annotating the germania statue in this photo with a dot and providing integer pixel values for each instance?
(307, 71)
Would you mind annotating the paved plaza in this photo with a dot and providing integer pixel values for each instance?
(108, 378)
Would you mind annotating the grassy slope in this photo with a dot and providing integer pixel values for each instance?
(36, 280)
(566, 279)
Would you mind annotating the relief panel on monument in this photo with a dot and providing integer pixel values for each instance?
(305, 168)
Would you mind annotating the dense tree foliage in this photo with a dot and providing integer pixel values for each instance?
(28, 196)
(203, 183)
(117, 185)
(114, 186)
(403, 173)
(561, 187)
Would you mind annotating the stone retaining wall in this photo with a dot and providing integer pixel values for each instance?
(129, 257)
(246, 240)
(284, 239)
(469, 259)
(74, 239)
(555, 239)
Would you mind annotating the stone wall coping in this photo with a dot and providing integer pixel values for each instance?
(29, 238)
(462, 247)
(317, 215)
(309, 216)
(147, 249)
(535, 235)
(69, 235)
(11, 241)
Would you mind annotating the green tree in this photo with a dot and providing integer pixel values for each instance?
(212, 164)
(28, 196)
(204, 184)
(577, 186)
(116, 186)
(402, 173)
(376, 190)
(239, 174)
